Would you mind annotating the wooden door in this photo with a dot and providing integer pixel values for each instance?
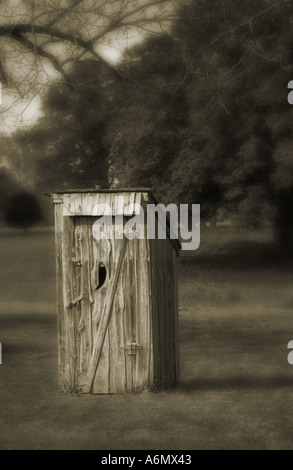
(109, 306)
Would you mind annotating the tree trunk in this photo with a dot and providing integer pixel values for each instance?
(284, 227)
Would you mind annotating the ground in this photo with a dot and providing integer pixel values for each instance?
(236, 392)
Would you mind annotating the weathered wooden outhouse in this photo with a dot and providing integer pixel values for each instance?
(116, 296)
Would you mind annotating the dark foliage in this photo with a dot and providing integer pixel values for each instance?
(22, 210)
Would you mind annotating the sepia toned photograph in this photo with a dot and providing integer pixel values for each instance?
(146, 227)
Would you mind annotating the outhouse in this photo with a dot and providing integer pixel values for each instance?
(116, 295)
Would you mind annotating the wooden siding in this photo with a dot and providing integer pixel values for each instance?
(115, 368)
(164, 298)
(97, 204)
(121, 336)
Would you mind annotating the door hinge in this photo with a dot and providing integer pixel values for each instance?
(74, 302)
(131, 348)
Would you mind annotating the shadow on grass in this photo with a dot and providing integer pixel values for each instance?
(22, 320)
(239, 254)
(234, 383)
(28, 333)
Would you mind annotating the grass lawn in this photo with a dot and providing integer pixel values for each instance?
(236, 302)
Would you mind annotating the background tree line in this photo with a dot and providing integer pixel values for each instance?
(198, 112)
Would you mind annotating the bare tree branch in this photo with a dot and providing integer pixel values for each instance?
(53, 25)
(63, 13)
(35, 49)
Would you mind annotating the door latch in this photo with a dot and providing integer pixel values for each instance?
(131, 348)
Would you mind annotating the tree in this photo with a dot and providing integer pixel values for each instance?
(8, 186)
(239, 137)
(47, 37)
(22, 210)
(144, 135)
(67, 146)
(206, 120)
(232, 63)
(17, 157)
(77, 141)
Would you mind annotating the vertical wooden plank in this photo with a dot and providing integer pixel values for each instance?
(130, 359)
(68, 227)
(139, 313)
(171, 310)
(127, 283)
(150, 339)
(133, 307)
(147, 314)
(79, 203)
(61, 336)
(176, 322)
(75, 292)
(78, 291)
(116, 342)
(160, 260)
(87, 204)
(155, 314)
(102, 202)
(75, 311)
(116, 332)
(165, 244)
(102, 252)
(142, 308)
(85, 321)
